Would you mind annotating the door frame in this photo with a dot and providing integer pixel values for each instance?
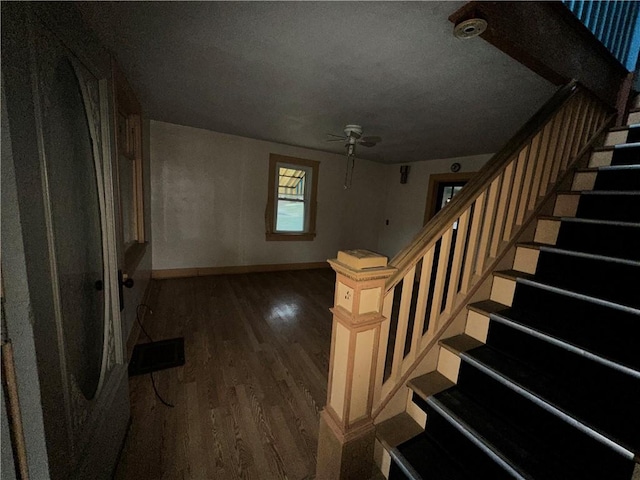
(432, 191)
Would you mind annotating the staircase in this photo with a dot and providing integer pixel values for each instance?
(544, 383)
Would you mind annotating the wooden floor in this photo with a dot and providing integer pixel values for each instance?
(248, 398)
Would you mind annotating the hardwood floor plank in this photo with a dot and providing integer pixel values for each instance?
(255, 378)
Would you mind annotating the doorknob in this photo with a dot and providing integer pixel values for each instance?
(127, 283)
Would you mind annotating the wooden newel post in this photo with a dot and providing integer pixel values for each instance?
(346, 435)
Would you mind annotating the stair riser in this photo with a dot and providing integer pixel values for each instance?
(616, 207)
(601, 239)
(627, 155)
(603, 331)
(612, 281)
(626, 179)
(619, 208)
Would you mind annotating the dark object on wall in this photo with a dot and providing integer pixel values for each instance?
(455, 167)
(404, 173)
(153, 356)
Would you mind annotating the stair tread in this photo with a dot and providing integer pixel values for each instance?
(429, 384)
(577, 253)
(486, 307)
(525, 455)
(424, 456)
(606, 148)
(460, 343)
(397, 430)
(578, 403)
(608, 168)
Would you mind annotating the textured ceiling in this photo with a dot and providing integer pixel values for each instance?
(291, 72)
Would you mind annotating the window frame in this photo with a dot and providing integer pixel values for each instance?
(311, 198)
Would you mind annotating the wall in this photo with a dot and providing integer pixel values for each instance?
(405, 204)
(209, 192)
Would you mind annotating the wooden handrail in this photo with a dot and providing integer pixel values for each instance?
(405, 259)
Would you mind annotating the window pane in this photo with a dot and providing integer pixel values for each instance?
(291, 183)
(290, 217)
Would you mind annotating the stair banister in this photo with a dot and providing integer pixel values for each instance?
(455, 249)
(447, 215)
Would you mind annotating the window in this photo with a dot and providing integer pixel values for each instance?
(291, 204)
(129, 172)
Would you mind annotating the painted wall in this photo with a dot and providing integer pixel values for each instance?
(209, 192)
(405, 203)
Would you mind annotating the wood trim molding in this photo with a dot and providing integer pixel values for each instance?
(231, 270)
(432, 192)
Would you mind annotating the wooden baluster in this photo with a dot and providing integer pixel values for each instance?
(403, 320)
(552, 151)
(571, 141)
(516, 191)
(562, 142)
(503, 201)
(540, 161)
(427, 266)
(471, 247)
(566, 143)
(458, 252)
(487, 225)
(425, 284)
(582, 122)
(527, 180)
(438, 291)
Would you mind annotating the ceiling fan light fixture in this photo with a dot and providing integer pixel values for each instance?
(470, 28)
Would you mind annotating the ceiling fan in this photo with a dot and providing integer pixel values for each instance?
(352, 137)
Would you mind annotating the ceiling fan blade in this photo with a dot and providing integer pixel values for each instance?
(367, 144)
(336, 136)
(372, 139)
(336, 139)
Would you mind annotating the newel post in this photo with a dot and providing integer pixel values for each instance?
(347, 434)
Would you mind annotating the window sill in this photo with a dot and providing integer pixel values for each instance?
(292, 237)
(132, 257)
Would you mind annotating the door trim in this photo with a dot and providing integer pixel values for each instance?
(432, 191)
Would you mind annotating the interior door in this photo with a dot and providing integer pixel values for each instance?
(75, 146)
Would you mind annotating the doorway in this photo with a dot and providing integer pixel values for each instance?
(442, 188)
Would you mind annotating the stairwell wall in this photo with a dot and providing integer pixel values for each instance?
(405, 203)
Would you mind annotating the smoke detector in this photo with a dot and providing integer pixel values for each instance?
(470, 28)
